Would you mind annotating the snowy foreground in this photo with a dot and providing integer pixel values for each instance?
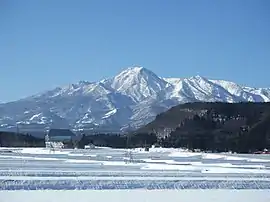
(157, 175)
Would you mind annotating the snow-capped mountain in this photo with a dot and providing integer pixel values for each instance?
(137, 83)
(127, 101)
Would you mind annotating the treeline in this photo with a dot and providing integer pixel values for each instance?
(118, 140)
(9, 139)
(205, 139)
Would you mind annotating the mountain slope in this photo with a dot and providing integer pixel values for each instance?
(125, 102)
(239, 127)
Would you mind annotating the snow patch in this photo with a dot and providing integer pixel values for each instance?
(110, 113)
(40, 151)
(183, 154)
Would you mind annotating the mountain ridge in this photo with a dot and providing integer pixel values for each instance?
(124, 102)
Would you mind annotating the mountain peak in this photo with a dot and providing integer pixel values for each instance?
(135, 68)
(197, 78)
(134, 74)
(138, 82)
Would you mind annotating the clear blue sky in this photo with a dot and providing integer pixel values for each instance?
(49, 43)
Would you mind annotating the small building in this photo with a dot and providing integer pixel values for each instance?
(64, 137)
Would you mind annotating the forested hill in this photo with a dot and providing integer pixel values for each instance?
(217, 126)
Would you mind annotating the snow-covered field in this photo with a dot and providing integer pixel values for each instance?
(157, 172)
